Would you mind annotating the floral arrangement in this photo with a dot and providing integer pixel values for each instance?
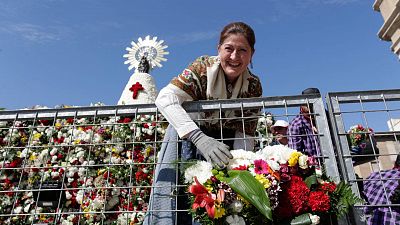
(104, 168)
(264, 129)
(276, 185)
(358, 136)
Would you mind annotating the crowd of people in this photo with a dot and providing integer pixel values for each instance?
(225, 76)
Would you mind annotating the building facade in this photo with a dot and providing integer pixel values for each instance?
(390, 30)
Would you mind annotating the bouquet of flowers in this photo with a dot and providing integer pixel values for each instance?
(276, 185)
(358, 137)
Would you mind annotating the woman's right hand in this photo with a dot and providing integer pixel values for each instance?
(212, 150)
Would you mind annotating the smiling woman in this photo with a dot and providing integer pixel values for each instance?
(225, 76)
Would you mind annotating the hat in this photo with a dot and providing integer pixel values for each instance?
(310, 91)
(279, 123)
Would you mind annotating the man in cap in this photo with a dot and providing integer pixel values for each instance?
(302, 132)
(379, 188)
(279, 130)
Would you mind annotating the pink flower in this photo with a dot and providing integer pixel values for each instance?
(260, 166)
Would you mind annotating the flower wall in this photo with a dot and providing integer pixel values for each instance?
(88, 170)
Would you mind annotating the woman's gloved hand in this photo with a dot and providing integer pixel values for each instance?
(212, 150)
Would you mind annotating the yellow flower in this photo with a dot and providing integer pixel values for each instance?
(208, 187)
(42, 217)
(58, 125)
(294, 158)
(219, 212)
(101, 171)
(148, 150)
(32, 157)
(264, 181)
(24, 139)
(37, 136)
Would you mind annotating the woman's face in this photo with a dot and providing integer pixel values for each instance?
(235, 54)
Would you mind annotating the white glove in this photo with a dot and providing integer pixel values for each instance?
(212, 150)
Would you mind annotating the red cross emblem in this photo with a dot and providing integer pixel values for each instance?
(135, 89)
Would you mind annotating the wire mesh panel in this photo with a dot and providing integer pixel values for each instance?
(240, 114)
(101, 164)
(364, 125)
(77, 166)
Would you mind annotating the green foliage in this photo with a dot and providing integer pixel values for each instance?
(344, 198)
(244, 184)
(311, 180)
(303, 219)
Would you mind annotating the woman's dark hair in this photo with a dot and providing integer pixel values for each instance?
(238, 28)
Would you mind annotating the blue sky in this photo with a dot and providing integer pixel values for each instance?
(70, 52)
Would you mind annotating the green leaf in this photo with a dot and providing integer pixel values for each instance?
(244, 184)
(303, 219)
(311, 180)
(345, 199)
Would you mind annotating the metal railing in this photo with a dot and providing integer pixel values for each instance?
(96, 152)
(370, 109)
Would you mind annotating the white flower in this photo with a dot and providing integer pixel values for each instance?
(79, 196)
(26, 209)
(97, 138)
(123, 219)
(80, 154)
(318, 172)
(68, 195)
(115, 160)
(241, 158)
(3, 123)
(24, 153)
(81, 171)
(55, 174)
(235, 220)
(314, 219)
(149, 132)
(303, 162)
(53, 151)
(236, 206)
(97, 203)
(273, 164)
(202, 170)
(278, 153)
(18, 210)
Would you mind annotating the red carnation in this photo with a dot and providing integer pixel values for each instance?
(44, 122)
(241, 167)
(127, 120)
(15, 163)
(319, 201)
(328, 187)
(293, 198)
(298, 194)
